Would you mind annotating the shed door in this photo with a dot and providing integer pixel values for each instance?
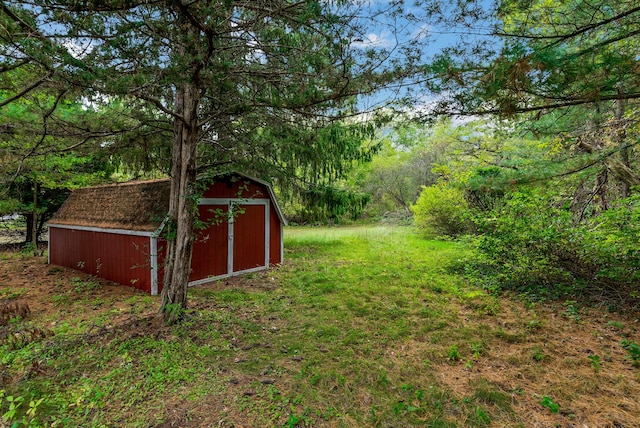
(210, 250)
(248, 236)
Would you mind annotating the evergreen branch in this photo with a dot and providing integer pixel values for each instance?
(607, 42)
(158, 104)
(26, 90)
(561, 37)
(568, 103)
(15, 66)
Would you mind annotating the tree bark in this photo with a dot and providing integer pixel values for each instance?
(182, 206)
(621, 137)
(616, 166)
(34, 224)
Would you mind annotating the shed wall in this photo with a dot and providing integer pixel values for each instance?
(252, 241)
(241, 188)
(211, 249)
(275, 238)
(120, 258)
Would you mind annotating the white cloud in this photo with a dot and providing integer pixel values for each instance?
(373, 40)
(78, 48)
(422, 32)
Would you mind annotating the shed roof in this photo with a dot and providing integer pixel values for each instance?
(135, 205)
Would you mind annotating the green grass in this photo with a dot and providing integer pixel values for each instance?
(348, 332)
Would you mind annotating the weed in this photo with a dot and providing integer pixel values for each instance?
(21, 338)
(453, 354)
(549, 404)
(616, 324)
(491, 308)
(81, 286)
(12, 293)
(535, 324)
(571, 310)
(634, 351)
(293, 421)
(538, 354)
(29, 248)
(12, 406)
(596, 364)
(480, 417)
(477, 349)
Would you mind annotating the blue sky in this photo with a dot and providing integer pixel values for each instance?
(391, 25)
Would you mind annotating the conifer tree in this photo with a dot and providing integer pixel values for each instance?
(256, 85)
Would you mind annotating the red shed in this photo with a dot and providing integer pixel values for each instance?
(115, 231)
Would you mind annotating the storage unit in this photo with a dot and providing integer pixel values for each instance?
(115, 231)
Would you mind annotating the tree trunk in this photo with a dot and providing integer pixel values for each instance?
(616, 166)
(34, 224)
(621, 137)
(29, 223)
(182, 206)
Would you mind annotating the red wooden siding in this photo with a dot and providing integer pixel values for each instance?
(275, 238)
(120, 258)
(210, 249)
(241, 188)
(249, 231)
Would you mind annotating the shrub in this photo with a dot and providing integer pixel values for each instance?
(612, 242)
(441, 211)
(531, 242)
(528, 240)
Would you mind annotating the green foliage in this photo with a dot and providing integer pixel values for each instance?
(13, 411)
(634, 351)
(453, 354)
(612, 242)
(330, 203)
(441, 211)
(405, 162)
(553, 55)
(531, 242)
(527, 242)
(550, 404)
(596, 363)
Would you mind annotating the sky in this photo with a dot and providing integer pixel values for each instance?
(392, 25)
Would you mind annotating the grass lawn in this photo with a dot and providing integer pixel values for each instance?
(363, 326)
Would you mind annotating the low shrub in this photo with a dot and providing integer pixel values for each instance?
(532, 243)
(441, 211)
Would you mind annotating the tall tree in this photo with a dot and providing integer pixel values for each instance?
(562, 69)
(42, 150)
(236, 83)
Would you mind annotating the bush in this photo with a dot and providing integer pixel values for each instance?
(528, 241)
(531, 243)
(441, 211)
(612, 242)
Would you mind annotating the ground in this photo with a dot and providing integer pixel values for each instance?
(268, 354)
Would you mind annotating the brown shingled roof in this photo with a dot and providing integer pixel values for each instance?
(139, 205)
